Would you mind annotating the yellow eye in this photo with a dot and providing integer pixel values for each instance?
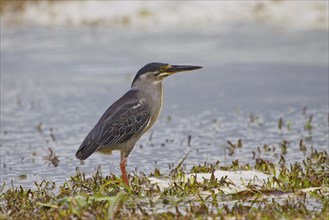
(163, 68)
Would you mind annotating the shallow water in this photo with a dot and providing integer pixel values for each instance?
(65, 78)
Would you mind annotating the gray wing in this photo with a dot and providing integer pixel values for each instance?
(126, 118)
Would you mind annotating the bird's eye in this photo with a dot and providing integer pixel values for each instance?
(163, 69)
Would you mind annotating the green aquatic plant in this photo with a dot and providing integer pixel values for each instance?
(290, 191)
(308, 125)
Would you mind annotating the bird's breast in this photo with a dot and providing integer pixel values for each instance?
(154, 101)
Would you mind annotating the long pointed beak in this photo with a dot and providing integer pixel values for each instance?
(180, 68)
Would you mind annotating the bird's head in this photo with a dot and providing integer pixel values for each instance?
(156, 72)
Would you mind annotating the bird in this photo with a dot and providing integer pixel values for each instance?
(128, 118)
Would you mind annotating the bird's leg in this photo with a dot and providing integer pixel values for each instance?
(123, 163)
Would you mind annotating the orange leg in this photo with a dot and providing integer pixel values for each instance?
(123, 163)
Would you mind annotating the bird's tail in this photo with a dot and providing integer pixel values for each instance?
(80, 154)
(86, 149)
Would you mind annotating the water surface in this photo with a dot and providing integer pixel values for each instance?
(63, 79)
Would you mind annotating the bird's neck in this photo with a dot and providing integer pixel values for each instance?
(153, 91)
(150, 89)
(153, 95)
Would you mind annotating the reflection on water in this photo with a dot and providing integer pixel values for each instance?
(55, 84)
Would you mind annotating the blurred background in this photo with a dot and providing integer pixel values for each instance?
(64, 62)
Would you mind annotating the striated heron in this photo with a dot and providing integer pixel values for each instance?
(127, 119)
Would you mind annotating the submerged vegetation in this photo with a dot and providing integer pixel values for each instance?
(260, 189)
(298, 190)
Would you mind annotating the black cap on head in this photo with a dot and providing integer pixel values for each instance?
(150, 67)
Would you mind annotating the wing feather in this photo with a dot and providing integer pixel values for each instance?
(126, 118)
